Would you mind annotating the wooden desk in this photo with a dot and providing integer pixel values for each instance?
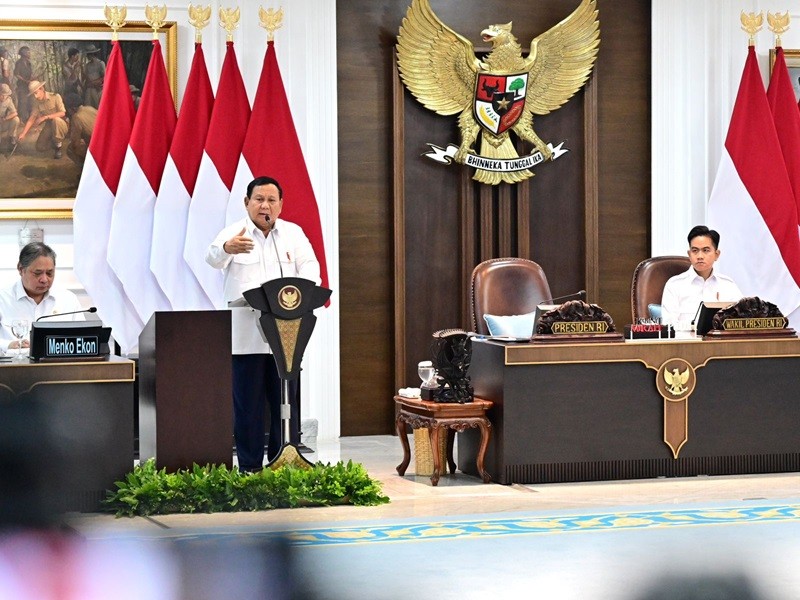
(584, 412)
(89, 406)
(436, 416)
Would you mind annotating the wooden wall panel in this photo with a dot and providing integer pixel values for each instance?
(623, 76)
(431, 258)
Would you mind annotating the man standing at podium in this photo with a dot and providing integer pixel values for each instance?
(259, 248)
(33, 295)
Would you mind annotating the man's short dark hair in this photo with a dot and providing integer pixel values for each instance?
(702, 230)
(263, 180)
(30, 252)
(72, 52)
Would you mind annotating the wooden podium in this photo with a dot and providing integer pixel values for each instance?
(185, 389)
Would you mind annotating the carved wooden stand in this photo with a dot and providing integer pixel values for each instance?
(436, 416)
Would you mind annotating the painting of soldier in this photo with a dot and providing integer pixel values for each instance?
(136, 96)
(48, 110)
(23, 75)
(48, 115)
(81, 125)
(9, 119)
(72, 69)
(95, 73)
(5, 66)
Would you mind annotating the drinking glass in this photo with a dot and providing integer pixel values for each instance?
(427, 373)
(19, 327)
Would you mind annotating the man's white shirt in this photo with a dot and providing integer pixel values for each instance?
(683, 294)
(284, 252)
(16, 304)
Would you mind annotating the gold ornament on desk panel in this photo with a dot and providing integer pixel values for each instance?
(500, 93)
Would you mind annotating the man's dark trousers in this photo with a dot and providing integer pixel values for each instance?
(256, 385)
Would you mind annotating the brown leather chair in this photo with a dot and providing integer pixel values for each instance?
(506, 286)
(649, 279)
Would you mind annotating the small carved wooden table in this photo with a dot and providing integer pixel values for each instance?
(436, 416)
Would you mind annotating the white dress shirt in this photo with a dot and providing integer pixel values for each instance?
(16, 304)
(683, 294)
(284, 252)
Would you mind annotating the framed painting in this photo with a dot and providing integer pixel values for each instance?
(792, 64)
(38, 179)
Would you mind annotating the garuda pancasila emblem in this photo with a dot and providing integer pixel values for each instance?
(499, 93)
(676, 381)
(288, 297)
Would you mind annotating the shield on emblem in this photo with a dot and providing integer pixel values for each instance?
(499, 100)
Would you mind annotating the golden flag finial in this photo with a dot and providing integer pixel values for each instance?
(778, 24)
(115, 18)
(752, 24)
(155, 17)
(270, 20)
(198, 18)
(229, 20)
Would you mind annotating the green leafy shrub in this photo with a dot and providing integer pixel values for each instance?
(215, 488)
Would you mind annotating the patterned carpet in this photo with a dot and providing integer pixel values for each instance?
(745, 550)
(454, 530)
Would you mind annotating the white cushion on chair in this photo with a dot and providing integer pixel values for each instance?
(516, 326)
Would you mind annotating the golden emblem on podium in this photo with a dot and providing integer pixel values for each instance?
(289, 297)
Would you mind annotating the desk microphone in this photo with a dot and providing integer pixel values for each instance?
(580, 294)
(91, 309)
(697, 313)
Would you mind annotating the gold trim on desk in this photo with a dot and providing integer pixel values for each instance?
(652, 354)
(22, 377)
(683, 356)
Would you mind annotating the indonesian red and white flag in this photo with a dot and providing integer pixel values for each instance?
(171, 211)
(752, 204)
(132, 217)
(94, 201)
(272, 148)
(786, 115)
(223, 146)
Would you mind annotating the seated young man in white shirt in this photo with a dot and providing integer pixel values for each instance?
(700, 283)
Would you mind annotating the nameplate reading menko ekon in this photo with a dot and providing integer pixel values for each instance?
(60, 340)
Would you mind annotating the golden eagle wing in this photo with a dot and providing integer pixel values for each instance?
(685, 376)
(667, 377)
(437, 65)
(561, 59)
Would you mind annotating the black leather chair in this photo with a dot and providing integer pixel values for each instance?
(506, 286)
(649, 279)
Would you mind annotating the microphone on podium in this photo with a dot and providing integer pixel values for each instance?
(581, 294)
(91, 309)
